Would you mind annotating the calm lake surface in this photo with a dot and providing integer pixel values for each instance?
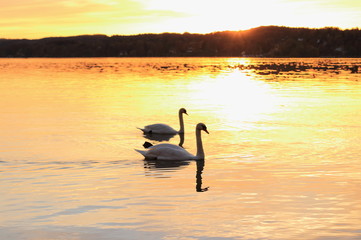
(283, 157)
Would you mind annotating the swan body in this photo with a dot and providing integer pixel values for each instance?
(160, 128)
(167, 151)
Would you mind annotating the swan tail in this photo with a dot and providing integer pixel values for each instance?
(141, 129)
(147, 157)
(145, 131)
(141, 152)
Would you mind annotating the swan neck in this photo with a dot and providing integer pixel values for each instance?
(181, 122)
(200, 151)
(181, 139)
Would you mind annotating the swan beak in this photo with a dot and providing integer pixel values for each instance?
(206, 131)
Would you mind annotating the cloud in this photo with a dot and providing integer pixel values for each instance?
(43, 18)
(64, 17)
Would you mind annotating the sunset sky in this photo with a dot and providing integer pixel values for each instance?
(44, 18)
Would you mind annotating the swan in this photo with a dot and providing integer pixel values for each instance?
(167, 151)
(160, 128)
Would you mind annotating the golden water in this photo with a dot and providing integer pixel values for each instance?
(283, 157)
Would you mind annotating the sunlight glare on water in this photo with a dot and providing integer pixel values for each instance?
(236, 98)
(282, 157)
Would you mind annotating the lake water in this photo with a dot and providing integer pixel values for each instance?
(283, 157)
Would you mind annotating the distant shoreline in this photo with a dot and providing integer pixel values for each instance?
(267, 42)
(257, 65)
(328, 57)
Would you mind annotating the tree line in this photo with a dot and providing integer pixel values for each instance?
(269, 41)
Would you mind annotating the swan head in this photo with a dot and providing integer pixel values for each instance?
(202, 127)
(183, 110)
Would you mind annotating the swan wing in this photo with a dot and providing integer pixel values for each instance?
(167, 145)
(167, 151)
(159, 128)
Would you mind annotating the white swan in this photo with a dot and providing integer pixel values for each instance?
(167, 151)
(160, 128)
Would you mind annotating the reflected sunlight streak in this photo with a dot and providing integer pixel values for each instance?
(236, 97)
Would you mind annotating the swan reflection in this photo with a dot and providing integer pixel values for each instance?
(200, 168)
(164, 166)
(148, 144)
(158, 137)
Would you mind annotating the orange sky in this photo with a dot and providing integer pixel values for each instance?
(44, 18)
